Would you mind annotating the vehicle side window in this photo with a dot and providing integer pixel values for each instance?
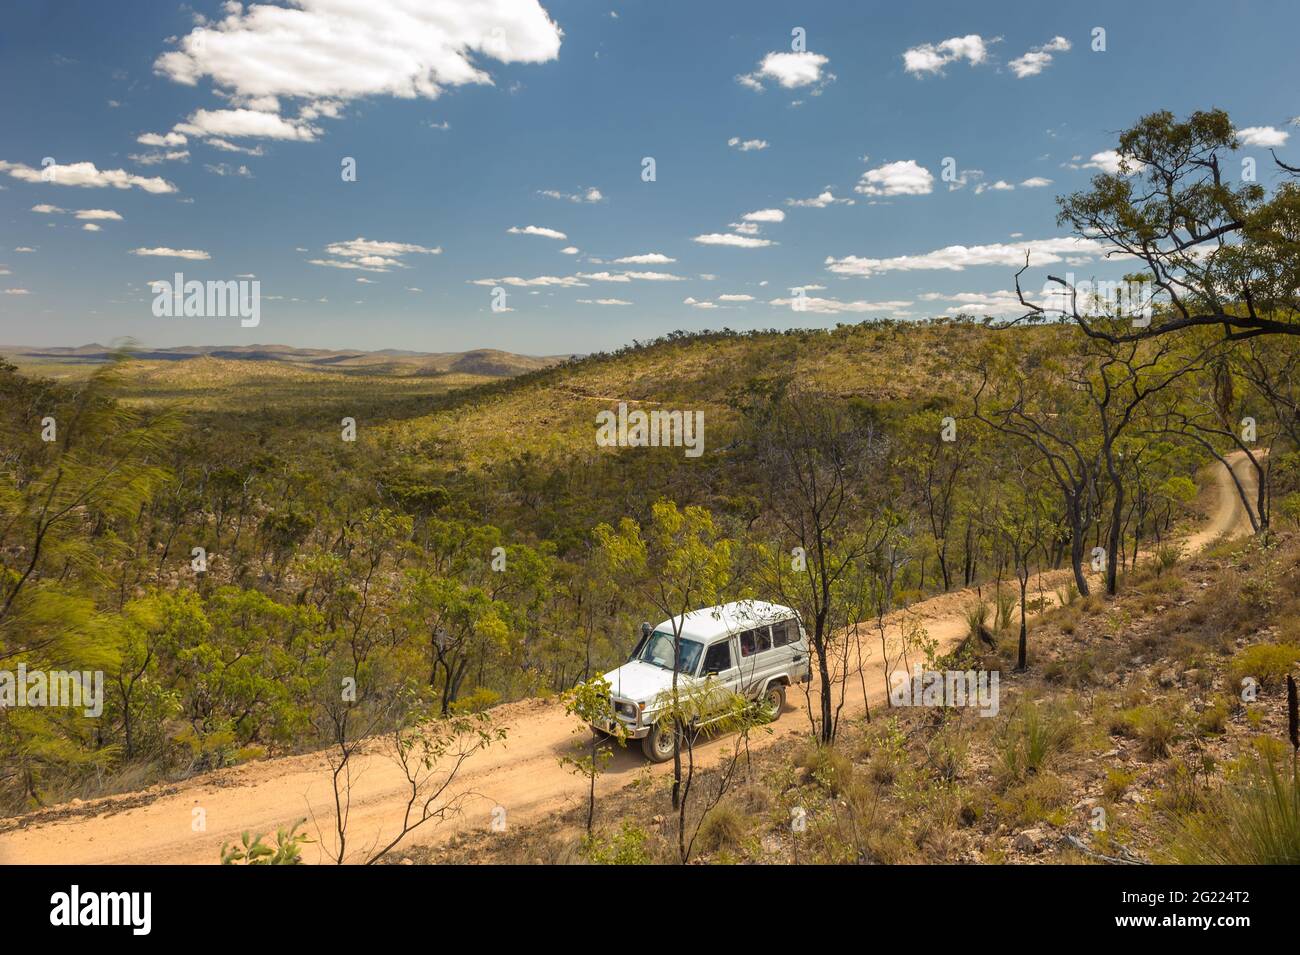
(748, 646)
(784, 633)
(763, 638)
(718, 658)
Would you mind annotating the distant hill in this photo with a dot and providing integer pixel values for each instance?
(484, 362)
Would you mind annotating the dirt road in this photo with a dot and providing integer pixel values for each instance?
(522, 775)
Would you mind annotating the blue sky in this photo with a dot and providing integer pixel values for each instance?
(507, 114)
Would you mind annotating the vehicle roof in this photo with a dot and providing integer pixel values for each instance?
(710, 623)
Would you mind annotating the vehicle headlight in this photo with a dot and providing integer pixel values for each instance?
(627, 710)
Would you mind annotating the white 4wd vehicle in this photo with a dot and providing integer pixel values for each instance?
(752, 648)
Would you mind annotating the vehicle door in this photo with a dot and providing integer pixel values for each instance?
(720, 665)
(788, 655)
(755, 659)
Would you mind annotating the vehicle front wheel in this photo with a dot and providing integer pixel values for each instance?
(660, 744)
(773, 701)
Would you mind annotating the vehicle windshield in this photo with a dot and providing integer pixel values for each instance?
(659, 651)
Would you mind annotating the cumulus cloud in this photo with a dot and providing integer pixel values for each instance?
(645, 258)
(1035, 182)
(728, 238)
(903, 178)
(746, 145)
(981, 303)
(564, 281)
(931, 58)
(832, 306)
(1038, 58)
(956, 258)
(589, 194)
(735, 297)
(244, 123)
(164, 252)
(603, 301)
(764, 215)
(632, 276)
(537, 230)
(1109, 162)
(371, 255)
(789, 70)
(159, 156)
(161, 139)
(344, 49)
(85, 174)
(819, 201)
(1263, 136)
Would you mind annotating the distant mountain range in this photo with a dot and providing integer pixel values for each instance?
(481, 361)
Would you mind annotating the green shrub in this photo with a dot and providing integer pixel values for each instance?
(723, 828)
(1254, 820)
(625, 847)
(1268, 663)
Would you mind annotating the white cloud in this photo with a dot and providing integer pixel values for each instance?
(603, 301)
(764, 215)
(226, 169)
(164, 252)
(240, 123)
(161, 139)
(1038, 58)
(695, 303)
(903, 178)
(992, 303)
(735, 297)
(345, 49)
(1035, 182)
(746, 145)
(819, 201)
(1263, 136)
(1108, 161)
(645, 258)
(588, 194)
(159, 156)
(86, 175)
(565, 281)
(931, 58)
(630, 276)
(570, 250)
(956, 258)
(537, 230)
(1000, 186)
(829, 306)
(727, 238)
(17, 291)
(218, 143)
(46, 209)
(790, 70)
(371, 255)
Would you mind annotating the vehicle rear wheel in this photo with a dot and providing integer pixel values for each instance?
(660, 743)
(774, 701)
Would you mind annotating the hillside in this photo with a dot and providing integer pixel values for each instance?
(553, 410)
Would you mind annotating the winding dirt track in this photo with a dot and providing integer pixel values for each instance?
(521, 774)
